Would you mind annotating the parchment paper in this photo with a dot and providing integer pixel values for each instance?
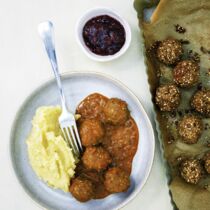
(194, 16)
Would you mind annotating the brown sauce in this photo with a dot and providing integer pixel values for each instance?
(121, 141)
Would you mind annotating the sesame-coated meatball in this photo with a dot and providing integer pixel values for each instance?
(191, 170)
(116, 180)
(169, 51)
(190, 128)
(167, 97)
(82, 189)
(207, 162)
(96, 158)
(201, 102)
(116, 111)
(186, 73)
(91, 132)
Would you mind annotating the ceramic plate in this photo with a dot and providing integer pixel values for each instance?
(77, 86)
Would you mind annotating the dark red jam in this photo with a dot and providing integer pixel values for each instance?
(104, 35)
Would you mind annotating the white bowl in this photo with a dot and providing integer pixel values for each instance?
(97, 12)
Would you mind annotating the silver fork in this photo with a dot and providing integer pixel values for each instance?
(66, 120)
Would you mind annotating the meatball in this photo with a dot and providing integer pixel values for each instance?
(96, 158)
(190, 128)
(97, 178)
(207, 162)
(91, 132)
(169, 51)
(201, 102)
(82, 189)
(191, 170)
(167, 97)
(123, 141)
(92, 106)
(186, 73)
(116, 180)
(116, 111)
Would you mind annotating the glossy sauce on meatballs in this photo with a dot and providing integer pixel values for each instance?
(116, 180)
(87, 191)
(109, 136)
(96, 158)
(116, 111)
(91, 132)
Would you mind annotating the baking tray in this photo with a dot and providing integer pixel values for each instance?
(145, 10)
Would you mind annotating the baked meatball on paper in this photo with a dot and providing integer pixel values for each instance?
(176, 38)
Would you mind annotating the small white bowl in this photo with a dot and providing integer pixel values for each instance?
(97, 12)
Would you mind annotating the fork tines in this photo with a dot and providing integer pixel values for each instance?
(72, 137)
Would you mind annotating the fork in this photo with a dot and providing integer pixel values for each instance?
(66, 120)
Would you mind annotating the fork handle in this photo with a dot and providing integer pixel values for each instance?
(46, 33)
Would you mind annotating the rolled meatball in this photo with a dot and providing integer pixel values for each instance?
(191, 170)
(167, 97)
(116, 180)
(116, 111)
(96, 158)
(169, 51)
(186, 73)
(82, 189)
(92, 106)
(123, 142)
(201, 102)
(207, 162)
(91, 132)
(190, 128)
(97, 179)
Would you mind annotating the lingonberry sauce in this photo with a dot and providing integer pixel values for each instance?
(104, 35)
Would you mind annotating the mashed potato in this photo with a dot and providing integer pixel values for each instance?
(49, 154)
